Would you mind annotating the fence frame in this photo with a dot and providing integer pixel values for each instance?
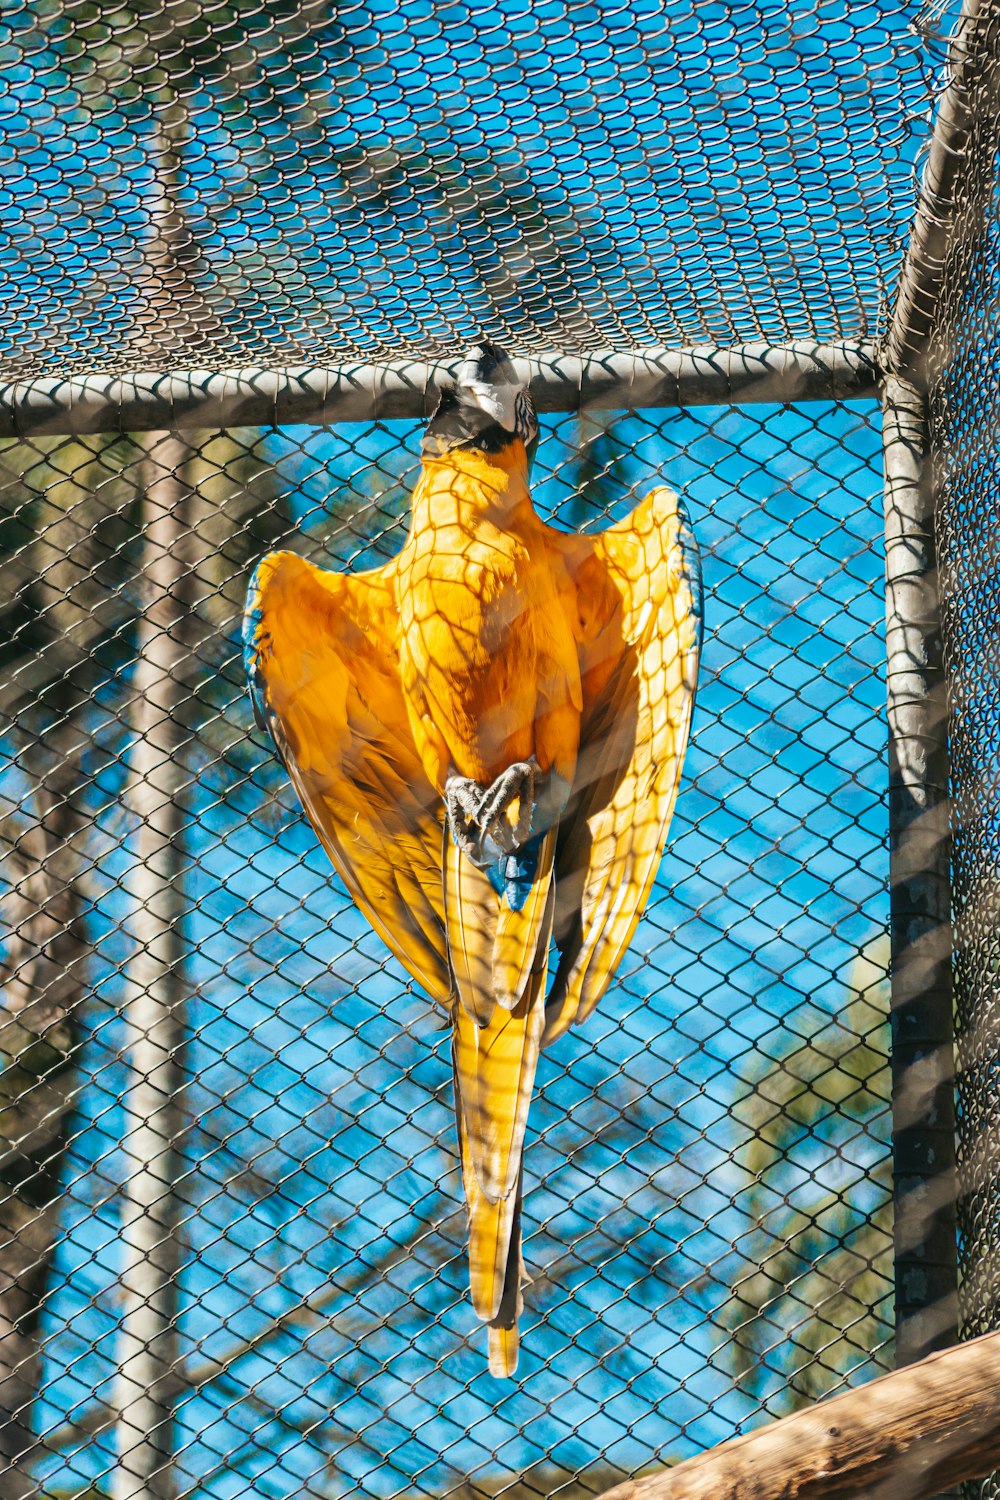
(255, 396)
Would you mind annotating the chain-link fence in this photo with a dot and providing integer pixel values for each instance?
(707, 1208)
(233, 1241)
(963, 409)
(381, 181)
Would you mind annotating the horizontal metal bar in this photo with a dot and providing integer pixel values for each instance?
(255, 397)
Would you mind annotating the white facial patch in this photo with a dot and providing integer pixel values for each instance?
(498, 401)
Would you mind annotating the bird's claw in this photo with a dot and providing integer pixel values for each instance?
(477, 814)
(462, 797)
(517, 781)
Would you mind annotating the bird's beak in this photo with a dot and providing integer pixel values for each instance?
(487, 379)
(486, 364)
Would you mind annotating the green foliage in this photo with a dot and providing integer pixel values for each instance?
(142, 50)
(811, 1299)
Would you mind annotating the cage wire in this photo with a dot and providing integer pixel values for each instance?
(381, 181)
(233, 1253)
(963, 394)
(686, 1163)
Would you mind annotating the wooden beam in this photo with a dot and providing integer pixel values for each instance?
(905, 1436)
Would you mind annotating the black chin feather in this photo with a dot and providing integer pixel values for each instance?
(462, 424)
(460, 419)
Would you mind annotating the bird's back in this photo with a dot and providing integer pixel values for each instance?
(486, 652)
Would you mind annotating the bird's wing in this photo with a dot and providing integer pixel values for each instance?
(324, 680)
(640, 669)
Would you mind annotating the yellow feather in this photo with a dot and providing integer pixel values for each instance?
(471, 906)
(494, 1069)
(503, 1350)
(632, 747)
(490, 1228)
(325, 654)
(518, 933)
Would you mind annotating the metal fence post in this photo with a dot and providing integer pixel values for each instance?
(923, 1106)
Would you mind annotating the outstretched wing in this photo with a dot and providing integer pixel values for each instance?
(321, 661)
(639, 655)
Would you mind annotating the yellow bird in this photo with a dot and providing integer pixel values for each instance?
(487, 736)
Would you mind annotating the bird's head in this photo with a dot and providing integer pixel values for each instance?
(486, 409)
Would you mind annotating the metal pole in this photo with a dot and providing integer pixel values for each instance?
(253, 397)
(951, 190)
(923, 1101)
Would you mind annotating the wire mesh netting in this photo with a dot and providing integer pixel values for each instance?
(707, 1219)
(964, 394)
(363, 181)
(233, 1250)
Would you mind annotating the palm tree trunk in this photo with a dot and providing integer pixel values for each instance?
(148, 1380)
(147, 1384)
(43, 989)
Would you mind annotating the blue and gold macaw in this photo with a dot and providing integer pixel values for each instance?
(487, 736)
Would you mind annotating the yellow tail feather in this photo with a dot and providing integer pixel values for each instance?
(503, 1350)
(494, 1067)
(470, 919)
(491, 1228)
(519, 933)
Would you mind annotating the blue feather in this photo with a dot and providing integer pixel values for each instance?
(253, 620)
(691, 563)
(513, 875)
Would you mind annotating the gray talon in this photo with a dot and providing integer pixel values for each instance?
(477, 814)
(462, 799)
(517, 780)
